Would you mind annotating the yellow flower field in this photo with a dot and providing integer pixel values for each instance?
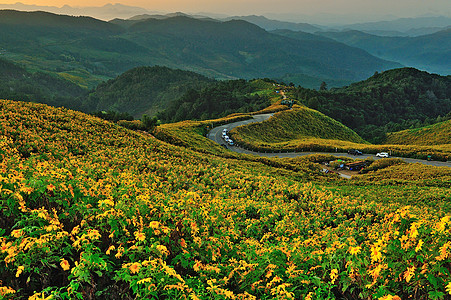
(91, 210)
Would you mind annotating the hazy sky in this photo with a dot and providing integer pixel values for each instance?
(402, 8)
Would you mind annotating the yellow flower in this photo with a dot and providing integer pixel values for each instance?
(110, 248)
(134, 267)
(409, 273)
(418, 247)
(144, 280)
(333, 275)
(309, 296)
(154, 224)
(17, 233)
(64, 264)
(194, 297)
(355, 250)
(448, 288)
(389, 297)
(19, 270)
(140, 236)
(163, 250)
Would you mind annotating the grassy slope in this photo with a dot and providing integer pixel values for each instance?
(300, 123)
(87, 201)
(436, 134)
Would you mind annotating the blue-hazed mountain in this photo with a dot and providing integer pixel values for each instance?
(269, 24)
(87, 49)
(430, 52)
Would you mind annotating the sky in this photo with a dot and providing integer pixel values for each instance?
(399, 8)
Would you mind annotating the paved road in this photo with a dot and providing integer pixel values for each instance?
(216, 135)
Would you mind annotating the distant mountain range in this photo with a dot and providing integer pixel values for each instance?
(428, 52)
(92, 50)
(106, 12)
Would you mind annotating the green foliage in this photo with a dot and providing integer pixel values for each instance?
(113, 116)
(16, 83)
(217, 100)
(382, 163)
(143, 90)
(64, 44)
(299, 123)
(98, 211)
(389, 101)
(149, 123)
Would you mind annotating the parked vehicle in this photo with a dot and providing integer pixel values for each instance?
(230, 142)
(355, 152)
(382, 154)
(225, 137)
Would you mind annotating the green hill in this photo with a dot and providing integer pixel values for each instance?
(219, 99)
(93, 50)
(294, 126)
(436, 134)
(16, 83)
(143, 90)
(389, 101)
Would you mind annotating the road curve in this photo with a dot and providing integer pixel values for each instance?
(216, 135)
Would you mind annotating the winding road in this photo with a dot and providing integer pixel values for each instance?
(216, 135)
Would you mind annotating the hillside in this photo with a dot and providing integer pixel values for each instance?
(16, 83)
(90, 209)
(292, 126)
(389, 101)
(143, 90)
(435, 134)
(427, 52)
(218, 100)
(92, 50)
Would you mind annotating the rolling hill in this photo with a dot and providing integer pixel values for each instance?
(292, 127)
(427, 52)
(143, 90)
(389, 101)
(435, 134)
(92, 210)
(16, 83)
(92, 50)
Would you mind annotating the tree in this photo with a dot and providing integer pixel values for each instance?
(323, 86)
(149, 122)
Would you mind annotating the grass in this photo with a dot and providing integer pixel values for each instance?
(436, 134)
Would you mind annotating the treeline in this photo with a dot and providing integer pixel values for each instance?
(390, 101)
(217, 100)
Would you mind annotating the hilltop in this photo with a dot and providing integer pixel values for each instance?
(293, 126)
(435, 134)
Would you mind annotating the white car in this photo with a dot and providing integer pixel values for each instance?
(382, 154)
(226, 137)
(230, 142)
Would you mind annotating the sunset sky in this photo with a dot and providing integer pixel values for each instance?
(402, 8)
